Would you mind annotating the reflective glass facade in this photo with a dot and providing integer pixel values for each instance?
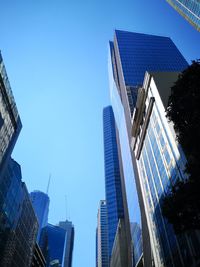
(160, 164)
(115, 209)
(102, 236)
(189, 9)
(40, 202)
(69, 242)
(18, 223)
(52, 243)
(130, 56)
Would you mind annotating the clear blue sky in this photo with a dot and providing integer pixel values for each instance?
(56, 57)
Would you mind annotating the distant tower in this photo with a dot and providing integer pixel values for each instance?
(40, 202)
(114, 200)
(102, 236)
(189, 9)
(57, 243)
(69, 243)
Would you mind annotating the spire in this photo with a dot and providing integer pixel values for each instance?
(48, 184)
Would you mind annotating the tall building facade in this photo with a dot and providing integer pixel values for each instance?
(56, 242)
(160, 163)
(113, 188)
(10, 123)
(18, 223)
(189, 9)
(69, 228)
(40, 202)
(130, 56)
(102, 236)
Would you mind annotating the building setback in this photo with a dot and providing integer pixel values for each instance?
(130, 56)
(189, 9)
(10, 123)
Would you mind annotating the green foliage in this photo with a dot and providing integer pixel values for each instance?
(182, 205)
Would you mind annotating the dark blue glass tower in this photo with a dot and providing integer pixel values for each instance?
(52, 243)
(115, 209)
(40, 202)
(56, 242)
(135, 53)
(18, 223)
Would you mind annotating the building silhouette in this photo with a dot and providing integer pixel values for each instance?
(130, 56)
(102, 251)
(190, 10)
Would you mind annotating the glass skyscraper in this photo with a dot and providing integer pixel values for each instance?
(114, 201)
(56, 242)
(102, 236)
(18, 223)
(69, 243)
(40, 202)
(189, 9)
(130, 56)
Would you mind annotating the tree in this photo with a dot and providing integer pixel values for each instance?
(181, 206)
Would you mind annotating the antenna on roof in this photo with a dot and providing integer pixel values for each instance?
(48, 184)
(66, 205)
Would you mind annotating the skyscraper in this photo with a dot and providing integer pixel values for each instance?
(69, 243)
(114, 201)
(160, 163)
(189, 9)
(18, 223)
(40, 202)
(10, 123)
(56, 242)
(131, 55)
(102, 236)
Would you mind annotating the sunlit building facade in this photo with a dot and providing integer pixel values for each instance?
(10, 123)
(189, 9)
(113, 188)
(160, 163)
(130, 56)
